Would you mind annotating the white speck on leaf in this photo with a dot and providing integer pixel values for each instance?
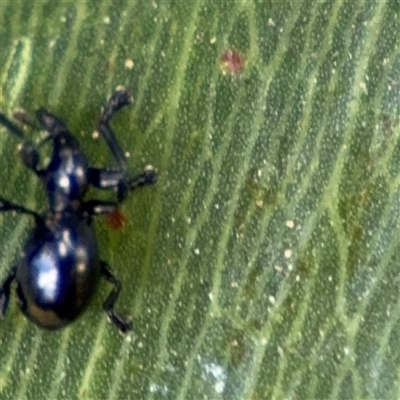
(290, 224)
(278, 268)
(129, 64)
(218, 373)
(271, 299)
(288, 253)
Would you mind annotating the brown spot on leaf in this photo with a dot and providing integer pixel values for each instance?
(232, 62)
(116, 220)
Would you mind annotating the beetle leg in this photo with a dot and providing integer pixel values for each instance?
(123, 324)
(28, 152)
(147, 177)
(97, 207)
(118, 100)
(6, 205)
(109, 179)
(5, 292)
(104, 179)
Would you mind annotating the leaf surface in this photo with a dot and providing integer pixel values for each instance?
(265, 263)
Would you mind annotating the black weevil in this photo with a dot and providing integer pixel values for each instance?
(60, 267)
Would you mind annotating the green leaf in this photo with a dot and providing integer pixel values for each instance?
(265, 263)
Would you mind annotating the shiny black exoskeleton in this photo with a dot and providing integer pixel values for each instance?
(60, 267)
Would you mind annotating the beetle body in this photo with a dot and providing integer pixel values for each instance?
(60, 266)
(59, 271)
(66, 180)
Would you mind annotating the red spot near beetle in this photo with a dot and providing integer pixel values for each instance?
(232, 62)
(116, 220)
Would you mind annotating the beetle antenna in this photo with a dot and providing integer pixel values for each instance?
(11, 127)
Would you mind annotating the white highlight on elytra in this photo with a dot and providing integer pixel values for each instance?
(48, 276)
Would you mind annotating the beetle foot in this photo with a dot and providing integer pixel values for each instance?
(122, 324)
(118, 99)
(147, 177)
